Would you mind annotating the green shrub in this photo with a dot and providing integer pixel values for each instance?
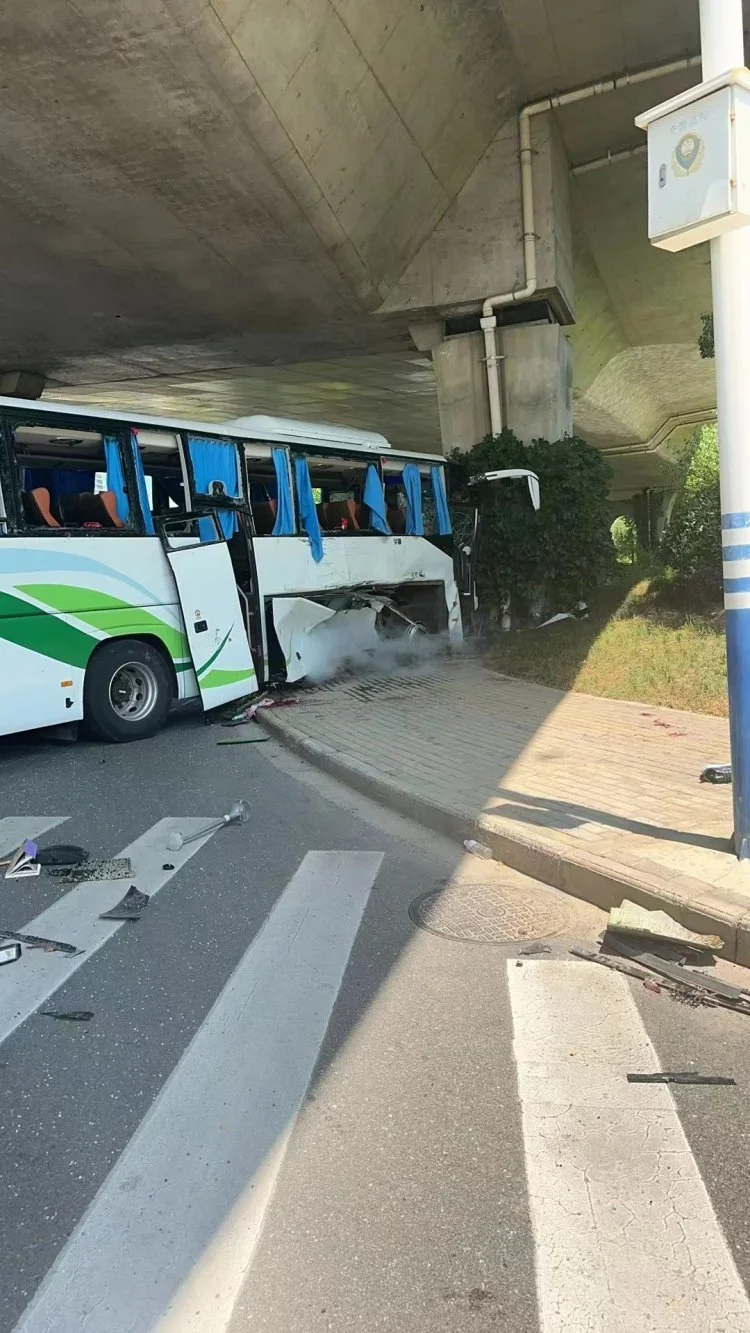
(545, 561)
(692, 542)
(625, 538)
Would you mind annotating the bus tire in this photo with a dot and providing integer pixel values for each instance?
(127, 692)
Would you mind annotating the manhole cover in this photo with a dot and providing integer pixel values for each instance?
(487, 913)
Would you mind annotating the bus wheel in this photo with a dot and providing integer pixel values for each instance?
(127, 692)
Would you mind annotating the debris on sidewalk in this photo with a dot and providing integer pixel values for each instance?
(117, 867)
(631, 919)
(719, 775)
(532, 949)
(244, 740)
(713, 1080)
(250, 714)
(62, 854)
(39, 942)
(478, 849)
(9, 953)
(69, 1015)
(23, 863)
(129, 908)
(239, 814)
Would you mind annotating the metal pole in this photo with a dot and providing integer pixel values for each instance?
(723, 48)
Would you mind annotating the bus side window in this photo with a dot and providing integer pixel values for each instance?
(63, 480)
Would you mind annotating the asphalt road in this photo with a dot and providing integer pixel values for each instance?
(293, 1110)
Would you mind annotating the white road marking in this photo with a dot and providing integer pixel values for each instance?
(165, 1244)
(15, 829)
(626, 1235)
(74, 919)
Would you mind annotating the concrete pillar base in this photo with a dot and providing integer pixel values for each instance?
(538, 381)
(461, 375)
(537, 385)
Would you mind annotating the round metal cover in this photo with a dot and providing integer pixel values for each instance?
(488, 913)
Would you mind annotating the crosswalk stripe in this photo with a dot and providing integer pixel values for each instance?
(169, 1236)
(74, 919)
(625, 1232)
(15, 829)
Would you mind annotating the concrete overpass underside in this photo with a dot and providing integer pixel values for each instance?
(235, 205)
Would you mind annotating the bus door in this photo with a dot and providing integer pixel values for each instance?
(215, 621)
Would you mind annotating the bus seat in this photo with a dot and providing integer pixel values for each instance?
(339, 510)
(264, 517)
(37, 508)
(396, 521)
(85, 507)
(109, 500)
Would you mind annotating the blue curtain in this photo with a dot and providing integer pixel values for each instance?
(216, 460)
(375, 500)
(441, 502)
(307, 510)
(116, 477)
(284, 525)
(413, 488)
(58, 481)
(140, 479)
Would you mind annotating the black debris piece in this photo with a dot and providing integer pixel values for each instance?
(129, 908)
(684, 976)
(531, 949)
(39, 942)
(719, 775)
(167, 866)
(61, 854)
(9, 953)
(245, 740)
(69, 1015)
(118, 867)
(713, 1080)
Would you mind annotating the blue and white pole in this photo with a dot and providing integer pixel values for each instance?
(722, 49)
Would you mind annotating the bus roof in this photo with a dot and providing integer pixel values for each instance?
(266, 429)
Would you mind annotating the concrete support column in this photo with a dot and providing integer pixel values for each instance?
(538, 381)
(461, 376)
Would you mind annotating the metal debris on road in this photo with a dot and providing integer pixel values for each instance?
(245, 740)
(117, 867)
(713, 1080)
(9, 953)
(39, 942)
(683, 976)
(69, 1015)
(631, 919)
(23, 863)
(61, 854)
(129, 908)
(239, 814)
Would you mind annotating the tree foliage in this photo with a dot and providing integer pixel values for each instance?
(548, 560)
(692, 542)
(706, 338)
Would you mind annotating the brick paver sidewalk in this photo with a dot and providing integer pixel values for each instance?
(598, 796)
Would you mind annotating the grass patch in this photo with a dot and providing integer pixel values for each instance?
(656, 640)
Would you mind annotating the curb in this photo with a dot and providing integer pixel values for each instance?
(587, 876)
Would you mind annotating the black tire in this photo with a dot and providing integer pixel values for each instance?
(127, 692)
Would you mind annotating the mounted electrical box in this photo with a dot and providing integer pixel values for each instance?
(699, 162)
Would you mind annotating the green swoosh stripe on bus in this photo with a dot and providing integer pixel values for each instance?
(108, 614)
(214, 656)
(218, 677)
(43, 633)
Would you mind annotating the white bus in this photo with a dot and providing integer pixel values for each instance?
(145, 560)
